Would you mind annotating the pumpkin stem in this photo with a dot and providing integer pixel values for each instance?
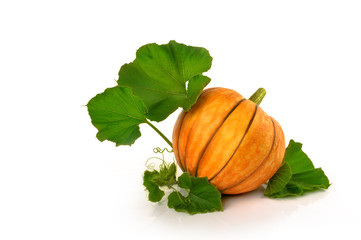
(258, 96)
(160, 134)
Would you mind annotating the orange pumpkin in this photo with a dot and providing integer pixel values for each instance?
(230, 140)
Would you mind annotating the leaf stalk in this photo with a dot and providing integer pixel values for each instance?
(160, 134)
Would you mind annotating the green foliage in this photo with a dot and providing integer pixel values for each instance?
(279, 181)
(160, 73)
(161, 79)
(167, 175)
(153, 180)
(155, 194)
(117, 113)
(202, 196)
(296, 158)
(296, 175)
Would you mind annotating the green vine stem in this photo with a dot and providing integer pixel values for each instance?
(258, 96)
(160, 134)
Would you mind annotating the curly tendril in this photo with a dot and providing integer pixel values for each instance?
(159, 150)
(152, 165)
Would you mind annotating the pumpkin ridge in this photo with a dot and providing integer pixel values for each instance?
(264, 160)
(240, 142)
(205, 148)
(185, 149)
(183, 163)
(178, 152)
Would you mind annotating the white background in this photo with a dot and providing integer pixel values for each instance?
(57, 181)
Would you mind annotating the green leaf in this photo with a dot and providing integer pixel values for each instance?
(289, 190)
(160, 73)
(202, 196)
(155, 194)
(296, 176)
(310, 180)
(300, 183)
(152, 180)
(296, 158)
(180, 203)
(117, 113)
(279, 180)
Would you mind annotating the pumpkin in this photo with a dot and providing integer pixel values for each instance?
(230, 140)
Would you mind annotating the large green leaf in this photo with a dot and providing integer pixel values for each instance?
(202, 196)
(296, 176)
(117, 113)
(166, 77)
(296, 158)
